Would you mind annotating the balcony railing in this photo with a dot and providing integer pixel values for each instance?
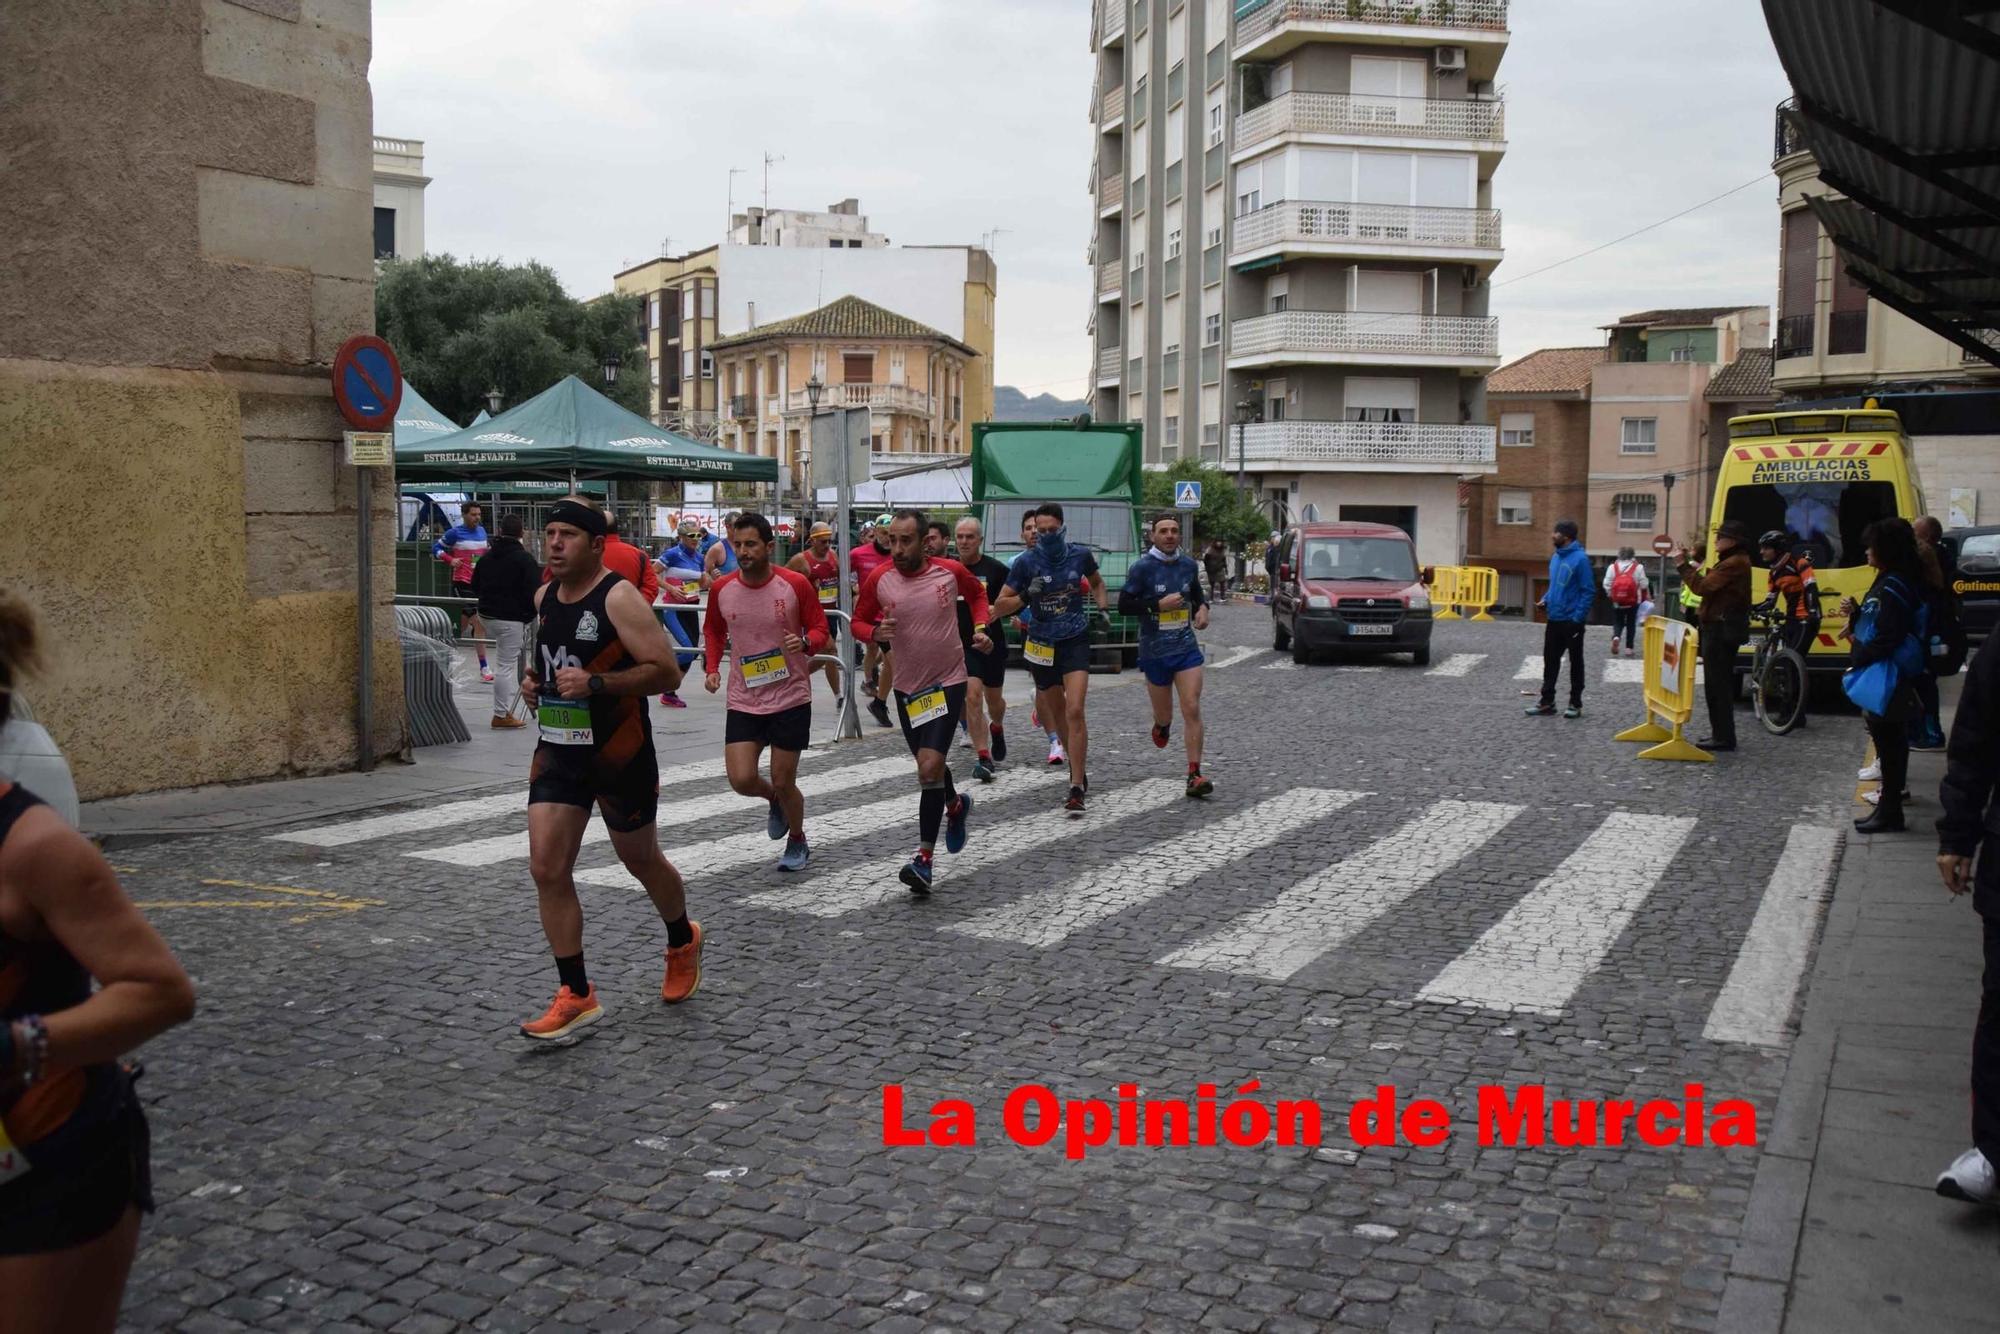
(881, 397)
(1786, 138)
(1469, 337)
(1110, 361)
(1794, 337)
(1419, 228)
(1111, 277)
(1113, 105)
(1990, 337)
(1483, 120)
(1428, 445)
(1480, 15)
(742, 406)
(1111, 192)
(1110, 20)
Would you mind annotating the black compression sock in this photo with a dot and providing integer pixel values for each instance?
(930, 814)
(679, 932)
(570, 969)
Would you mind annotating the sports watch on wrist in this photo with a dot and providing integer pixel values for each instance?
(596, 685)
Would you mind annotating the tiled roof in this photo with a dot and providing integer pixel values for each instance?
(1553, 370)
(1744, 379)
(849, 317)
(1685, 315)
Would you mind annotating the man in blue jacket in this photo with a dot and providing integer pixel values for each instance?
(1163, 590)
(1571, 592)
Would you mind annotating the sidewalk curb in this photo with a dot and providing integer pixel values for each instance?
(134, 836)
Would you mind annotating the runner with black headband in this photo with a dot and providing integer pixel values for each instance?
(600, 651)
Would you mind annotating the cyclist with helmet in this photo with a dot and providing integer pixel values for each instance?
(1792, 579)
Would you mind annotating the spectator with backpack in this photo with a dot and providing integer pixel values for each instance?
(1888, 631)
(1625, 585)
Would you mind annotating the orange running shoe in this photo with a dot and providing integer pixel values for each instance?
(567, 1012)
(683, 969)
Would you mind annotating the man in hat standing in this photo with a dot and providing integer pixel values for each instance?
(1724, 589)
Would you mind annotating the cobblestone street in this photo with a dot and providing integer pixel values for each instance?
(1399, 881)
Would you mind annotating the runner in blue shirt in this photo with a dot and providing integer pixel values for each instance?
(1163, 589)
(1052, 579)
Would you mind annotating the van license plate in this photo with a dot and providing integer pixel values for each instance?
(1371, 629)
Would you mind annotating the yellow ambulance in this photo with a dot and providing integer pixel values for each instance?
(1823, 476)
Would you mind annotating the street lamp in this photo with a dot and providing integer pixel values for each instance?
(612, 361)
(493, 401)
(814, 388)
(1246, 412)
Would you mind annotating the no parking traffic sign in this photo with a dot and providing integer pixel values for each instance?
(367, 383)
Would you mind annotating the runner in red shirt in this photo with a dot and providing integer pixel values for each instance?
(864, 560)
(822, 570)
(914, 602)
(773, 623)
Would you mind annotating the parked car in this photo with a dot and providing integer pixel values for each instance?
(1978, 582)
(1353, 587)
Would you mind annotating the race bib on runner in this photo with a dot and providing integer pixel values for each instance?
(13, 1163)
(1177, 619)
(691, 588)
(1042, 655)
(925, 706)
(828, 594)
(565, 722)
(763, 669)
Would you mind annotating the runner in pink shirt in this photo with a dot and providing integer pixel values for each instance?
(863, 561)
(773, 623)
(913, 603)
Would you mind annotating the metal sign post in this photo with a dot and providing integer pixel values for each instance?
(838, 431)
(367, 388)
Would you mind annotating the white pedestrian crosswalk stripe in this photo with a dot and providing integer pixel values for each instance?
(1234, 656)
(875, 882)
(1624, 671)
(343, 832)
(1280, 665)
(1756, 1002)
(705, 860)
(1325, 911)
(720, 801)
(1458, 664)
(1050, 915)
(1536, 956)
(1531, 668)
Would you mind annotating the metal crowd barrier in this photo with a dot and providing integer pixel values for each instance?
(426, 636)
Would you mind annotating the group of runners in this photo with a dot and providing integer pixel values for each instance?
(936, 652)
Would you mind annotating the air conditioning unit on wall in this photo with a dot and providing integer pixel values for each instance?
(1451, 57)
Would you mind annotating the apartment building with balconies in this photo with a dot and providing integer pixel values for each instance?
(912, 378)
(1294, 237)
(680, 297)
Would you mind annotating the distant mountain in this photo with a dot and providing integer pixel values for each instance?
(1011, 405)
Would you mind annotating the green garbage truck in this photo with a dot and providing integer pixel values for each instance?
(1096, 470)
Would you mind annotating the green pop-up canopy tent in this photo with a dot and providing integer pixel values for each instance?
(418, 422)
(567, 431)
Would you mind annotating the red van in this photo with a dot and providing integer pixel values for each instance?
(1353, 587)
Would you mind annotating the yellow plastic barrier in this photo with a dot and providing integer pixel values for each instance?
(1480, 588)
(1464, 587)
(1445, 585)
(1670, 649)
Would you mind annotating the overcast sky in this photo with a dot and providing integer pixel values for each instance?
(584, 135)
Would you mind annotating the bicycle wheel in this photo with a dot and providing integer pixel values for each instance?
(1781, 691)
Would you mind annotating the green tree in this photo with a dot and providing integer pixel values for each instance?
(1225, 511)
(462, 327)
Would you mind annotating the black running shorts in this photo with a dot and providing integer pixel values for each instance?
(936, 733)
(987, 668)
(83, 1197)
(788, 729)
(628, 796)
(1071, 655)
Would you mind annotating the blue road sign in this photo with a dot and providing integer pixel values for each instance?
(1187, 495)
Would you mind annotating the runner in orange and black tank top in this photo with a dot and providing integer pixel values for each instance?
(600, 750)
(76, 1173)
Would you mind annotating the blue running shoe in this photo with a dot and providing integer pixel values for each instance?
(777, 826)
(917, 874)
(954, 825)
(797, 854)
